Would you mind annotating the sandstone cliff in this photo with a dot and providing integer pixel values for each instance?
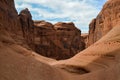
(70, 37)
(105, 21)
(27, 27)
(84, 37)
(100, 61)
(59, 41)
(10, 24)
(7, 11)
(40, 36)
(46, 42)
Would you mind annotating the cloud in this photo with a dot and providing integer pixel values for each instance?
(81, 12)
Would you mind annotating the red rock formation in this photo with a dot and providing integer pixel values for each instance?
(70, 37)
(84, 38)
(27, 27)
(91, 37)
(8, 16)
(46, 42)
(59, 41)
(9, 22)
(98, 62)
(104, 22)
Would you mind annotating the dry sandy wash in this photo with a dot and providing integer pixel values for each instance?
(101, 61)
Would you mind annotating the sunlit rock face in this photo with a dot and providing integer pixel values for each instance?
(104, 22)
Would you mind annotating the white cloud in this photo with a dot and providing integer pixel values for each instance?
(81, 12)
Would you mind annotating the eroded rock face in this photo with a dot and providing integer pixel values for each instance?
(27, 27)
(9, 23)
(84, 37)
(46, 42)
(8, 16)
(104, 22)
(91, 38)
(59, 41)
(70, 37)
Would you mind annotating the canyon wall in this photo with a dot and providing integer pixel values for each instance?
(9, 22)
(70, 37)
(98, 62)
(27, 27)
(105, 21)
(59, 41)
(8, 15)
(11, 25)
(46, 42)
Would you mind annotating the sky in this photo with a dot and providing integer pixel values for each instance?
(81, 12)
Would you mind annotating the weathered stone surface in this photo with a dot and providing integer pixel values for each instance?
(70, 37)
(84, 38)
(9, 23)
(27, 27)
(91, 37)
(104, 22)
(8, 16)
(59, 41)
(46, 42)
(98, 62)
